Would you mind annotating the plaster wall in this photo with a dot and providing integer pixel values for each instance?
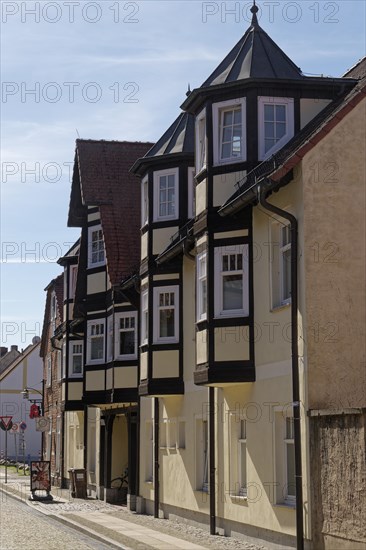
(334, 175)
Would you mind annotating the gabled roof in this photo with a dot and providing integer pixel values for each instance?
(256, 55)
(102, 178)
(177, 140)
(279, 165)
(25, 353)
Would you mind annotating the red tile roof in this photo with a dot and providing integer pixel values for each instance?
(106, 182)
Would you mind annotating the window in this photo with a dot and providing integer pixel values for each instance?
(166, 195)
(58, 443)
(166, 324)
(95, 341)
(280, 259)
(231, 281)
(290, 484)
(96, 246)
(238, 454)
(202, 455)
(59, 364)
(53, 312)
(276, 124)
(49, 371)
(149, 465)
(242, 458)
(144, 201)
(126, 337)
(191, 194)
(76, 358)
(201, 147)
(63, 374)
(73, 277)
(110, 338)
(202, 286)
(229, 129)
(144, 317)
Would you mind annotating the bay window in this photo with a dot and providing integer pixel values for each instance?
(231, 281)
(276, 124)
(166, 195)
(229, 128)
(201, 286)
(166, 322)
(96, 254)
(125, 345)
(76, 358)
(96, 341)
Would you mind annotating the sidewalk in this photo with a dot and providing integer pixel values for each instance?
(118, 527)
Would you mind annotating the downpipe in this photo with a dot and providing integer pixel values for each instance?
(295, 360)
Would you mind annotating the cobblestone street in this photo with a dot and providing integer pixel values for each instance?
(22, 527)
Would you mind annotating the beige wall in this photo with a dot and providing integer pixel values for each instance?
(309, 108)
(224, 186)
(334, 226)
(201, 197)
(125, 377)
(94, 380)
(161, 238)
(96, 283)
(75, 391)
(165, 364)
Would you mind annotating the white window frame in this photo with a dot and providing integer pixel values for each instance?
(73, 279)
(157, 291)
(157, 175)
(219, 275)
(59, 364)
(118, 330)
(90, 323)
(144, 317)
(53, 313)
(49, 371)
(58, 444)
(288, 441)
(110, 339)
(63, 371)
(149, 456)
(73, 343)
(144, 201)
(217, 110)
(201, 141)
(99, 263)
(201, 278)
(288, 102)
(191, 210)
(276, 259)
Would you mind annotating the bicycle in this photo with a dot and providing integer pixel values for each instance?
(121, 484)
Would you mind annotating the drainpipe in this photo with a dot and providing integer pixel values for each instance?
(295, 361)
(211, 394)
(156, 457)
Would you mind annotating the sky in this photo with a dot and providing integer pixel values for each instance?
(116, 70)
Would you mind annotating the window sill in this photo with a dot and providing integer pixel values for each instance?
(288, 505)
(240, 499)
(275, 309)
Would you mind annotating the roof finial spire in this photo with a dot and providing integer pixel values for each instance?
(254, 9)
(188, 92)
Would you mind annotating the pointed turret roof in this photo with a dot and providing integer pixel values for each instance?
(178, 139)
(256, 55)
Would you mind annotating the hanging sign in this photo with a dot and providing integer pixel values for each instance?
(42, 424)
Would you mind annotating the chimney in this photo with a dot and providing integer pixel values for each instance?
(3, 351)
(13, 348)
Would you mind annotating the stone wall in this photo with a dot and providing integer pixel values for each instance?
(337, 447)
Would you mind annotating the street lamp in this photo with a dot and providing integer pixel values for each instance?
(25, 394)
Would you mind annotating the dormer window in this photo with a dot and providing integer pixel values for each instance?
(96, 254)
(166, 195)
(201, 141)
(229, 131)
(276, 124)
(144, 202)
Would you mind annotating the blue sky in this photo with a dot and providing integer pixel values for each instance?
(116, 70)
